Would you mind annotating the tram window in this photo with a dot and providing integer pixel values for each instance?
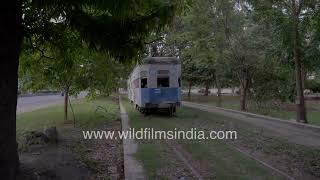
(163, 82)
(179, 81)
(144, 83)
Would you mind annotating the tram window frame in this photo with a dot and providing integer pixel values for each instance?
(144, 82)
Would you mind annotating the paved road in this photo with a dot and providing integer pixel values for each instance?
(32, 103)
(290, 131)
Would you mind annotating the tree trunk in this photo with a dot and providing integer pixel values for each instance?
(243, 95)
(10, 39)
(301, 109)
(189, 90)
(206, 92)
(66, 100)
(218, 85)
(304, 78)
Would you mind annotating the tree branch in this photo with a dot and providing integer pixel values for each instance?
(301, 2)
(38, 49)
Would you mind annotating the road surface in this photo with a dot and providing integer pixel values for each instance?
(26, 104)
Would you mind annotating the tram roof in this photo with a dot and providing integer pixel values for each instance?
(161, 60)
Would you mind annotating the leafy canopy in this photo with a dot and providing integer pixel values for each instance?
(117, 26)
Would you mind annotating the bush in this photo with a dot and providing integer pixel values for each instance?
(313, 85)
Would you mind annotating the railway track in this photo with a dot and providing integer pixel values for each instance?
(198, 170)
(307, 135)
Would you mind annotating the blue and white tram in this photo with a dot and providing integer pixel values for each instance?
(156, 84)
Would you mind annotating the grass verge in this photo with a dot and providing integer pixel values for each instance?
(88, 113)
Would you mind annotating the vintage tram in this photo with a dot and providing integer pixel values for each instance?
(155, 84)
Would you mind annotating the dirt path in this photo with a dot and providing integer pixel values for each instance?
(289, 131)
(51, 162)
(74, 158)
(132, 168)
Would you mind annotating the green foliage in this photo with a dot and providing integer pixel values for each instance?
(119, 27)
(277, 15)
(199, 40)
(272, 81)
(102, 72)
(313, 85)
(58, 34)
(71, 64)
(59, 68)
(244, 43)
(236, 43)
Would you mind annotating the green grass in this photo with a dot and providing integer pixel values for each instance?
(232, 102)
(228, 163)
(150, 155)
(86, 115)
(223, 161)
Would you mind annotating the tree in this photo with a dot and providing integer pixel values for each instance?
(131, 23)
(296, 7)
(206, 31)
(70, 67)
(10, 39)
(191, 35)
(60, 68)
(287, 17)
(213, 25)
(225, 46)
(102, 73)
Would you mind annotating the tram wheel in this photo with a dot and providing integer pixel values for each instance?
(170, 109)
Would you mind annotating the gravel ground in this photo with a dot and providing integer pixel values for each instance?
(104, 158)
(74, 158)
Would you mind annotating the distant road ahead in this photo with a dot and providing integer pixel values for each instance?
(32, 103)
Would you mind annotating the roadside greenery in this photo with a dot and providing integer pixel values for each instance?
(284, 111)
(88, 114)
(268, 50)
(71, 67)
(119, 28)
